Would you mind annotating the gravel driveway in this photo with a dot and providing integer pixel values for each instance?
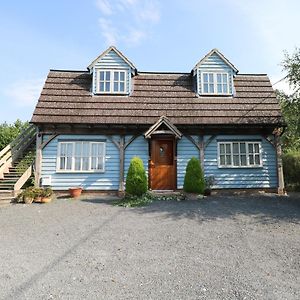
(215, 248)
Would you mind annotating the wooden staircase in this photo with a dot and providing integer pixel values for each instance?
(16, 164)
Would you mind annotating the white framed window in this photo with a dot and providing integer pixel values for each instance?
(215, 83)
(81, 156)
(239, 154)
(111, 82)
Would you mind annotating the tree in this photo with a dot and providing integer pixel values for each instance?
(8, 132)
(194, 179)
(136, 179)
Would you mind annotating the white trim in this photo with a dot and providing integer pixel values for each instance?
(72, 170)
(247, 155)
(215, 82)
(111, 81)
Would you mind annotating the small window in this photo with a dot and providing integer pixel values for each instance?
(239, 154)
(215, 83)
(111, 82)
(81, 156)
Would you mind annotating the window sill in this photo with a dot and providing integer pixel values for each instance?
(79, 172)
(240, 167)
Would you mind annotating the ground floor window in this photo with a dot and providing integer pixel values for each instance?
(81, 156)
(238, 154)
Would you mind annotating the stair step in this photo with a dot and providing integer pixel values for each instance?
(6, 187)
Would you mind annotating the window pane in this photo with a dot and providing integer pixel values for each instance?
(242, 147)
(122, 87)
(116, 87)
(62, 163)
(256, 148)
(219, 88)
(107, 86)
(211, 77)
(228, 148)
(205, 88)
(77, 163)
(224, 78)
(94, 150)
(235, 147)
(250, 148)
(222, 160)
(100, 164)
(100, 149)
(101, 75)
(62, 149)
(205, 77)
(78, 149)
(122, 76)
(85, 163)
(257, 159)
(69, 149)
(211, 88)
(236, 160)
(219, 78)
(101, 88)
(116, 76)
(85, 149)
(69, 163)
(251, 159)
(228, 159)
(107, 75)
(243, 160)
(94, 163)
(225, 89)
(222, 148)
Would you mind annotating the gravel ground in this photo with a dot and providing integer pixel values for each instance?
(215, 248)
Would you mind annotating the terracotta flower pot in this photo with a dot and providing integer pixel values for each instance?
(46, 199)
(28, 200)
(75, 192)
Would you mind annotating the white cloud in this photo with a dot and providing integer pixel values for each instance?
(140, 16)
(108, 31)
(25, 92)
(104, 7)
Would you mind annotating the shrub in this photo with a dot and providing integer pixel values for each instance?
(136, 180)
(194, 179)
(291, 168)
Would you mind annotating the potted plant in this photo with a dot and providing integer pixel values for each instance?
(75, 191)
(209, 182)
(26, 196)
(37, 194)
(46, 195)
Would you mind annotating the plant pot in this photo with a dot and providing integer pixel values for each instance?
(45, 199)
(75, 192)
(38, 199)
(28, 200)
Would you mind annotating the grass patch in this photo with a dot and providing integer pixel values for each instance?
(146, 199)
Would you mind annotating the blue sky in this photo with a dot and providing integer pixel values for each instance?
(166, 35)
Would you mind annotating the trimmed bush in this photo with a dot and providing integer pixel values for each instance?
(194, 179)
(291, 169)
(136, 180)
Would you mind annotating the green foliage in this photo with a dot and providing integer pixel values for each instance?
(194, 178)
(136, 180)
(8, 132)
(34, 193)
(291, 169)
(146, 199)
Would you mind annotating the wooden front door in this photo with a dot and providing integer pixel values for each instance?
(162, 164)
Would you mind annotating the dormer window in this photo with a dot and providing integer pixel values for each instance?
(215, 83)
(111, 81)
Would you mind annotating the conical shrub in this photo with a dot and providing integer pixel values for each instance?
(194, 179)
(136, 179)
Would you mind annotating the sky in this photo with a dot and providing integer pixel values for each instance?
(165, 35)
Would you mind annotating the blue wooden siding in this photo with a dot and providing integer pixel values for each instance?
(112, 61)
(265, 177)
(109, 180)
(139, 147)
(185, 151)
(214, 63)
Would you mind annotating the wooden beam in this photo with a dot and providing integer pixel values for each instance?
(45, 143)
(38, 160)
(201, 150)
(130, 140)
(122, 163)
(209, 140)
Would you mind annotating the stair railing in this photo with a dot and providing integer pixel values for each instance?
(16, 148)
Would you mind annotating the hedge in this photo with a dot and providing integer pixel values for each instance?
(291, 169)
(194, 179)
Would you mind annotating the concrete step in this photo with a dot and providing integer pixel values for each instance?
(6, 187)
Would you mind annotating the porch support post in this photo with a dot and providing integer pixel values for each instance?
(201, 150)
(122, 159)
(38, 159)
(280, 189)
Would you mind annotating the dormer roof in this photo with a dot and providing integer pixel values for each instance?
(119, 53)
(216, 51)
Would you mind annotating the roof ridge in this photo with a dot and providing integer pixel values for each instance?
(252, 74)
(163, 73)
(73, 71)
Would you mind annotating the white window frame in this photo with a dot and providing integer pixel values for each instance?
(247, 155)
(111, 85)
(215, 82)
(72, 170)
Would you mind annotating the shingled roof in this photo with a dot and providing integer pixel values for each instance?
(67, 98)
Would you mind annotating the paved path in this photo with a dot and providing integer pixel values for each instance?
(216, 248)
